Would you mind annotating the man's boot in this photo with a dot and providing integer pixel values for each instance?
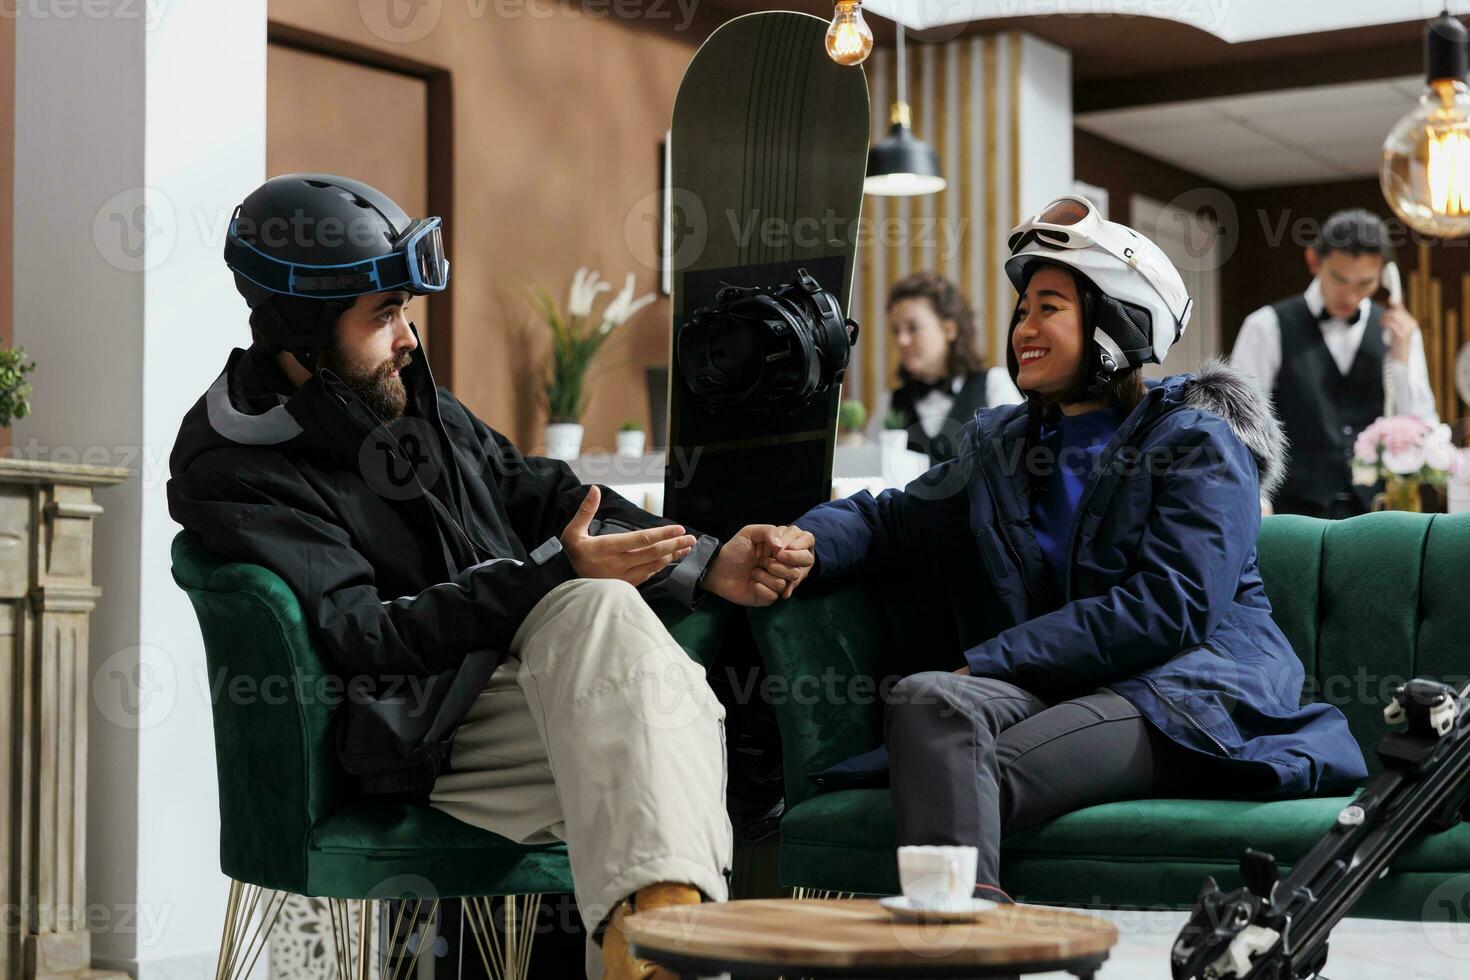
(617, 962)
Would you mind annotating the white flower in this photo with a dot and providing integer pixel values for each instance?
(1439, 454)
(1405, 462)
(1364, 475)
(623, 306)
(586, 284)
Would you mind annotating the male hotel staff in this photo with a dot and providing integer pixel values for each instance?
(1322, 356)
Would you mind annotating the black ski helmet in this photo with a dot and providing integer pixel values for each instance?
(304, 246)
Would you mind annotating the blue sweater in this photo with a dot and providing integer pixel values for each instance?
(1075, 443)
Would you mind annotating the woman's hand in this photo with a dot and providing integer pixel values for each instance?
(632, 556)
(747, 570)
(793, 559)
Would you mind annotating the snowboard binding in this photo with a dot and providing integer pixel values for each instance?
(1276, 928)
(765, 348)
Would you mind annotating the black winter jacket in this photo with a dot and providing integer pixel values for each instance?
(416, 548)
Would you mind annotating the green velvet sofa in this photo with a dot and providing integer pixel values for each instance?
(1366, 603)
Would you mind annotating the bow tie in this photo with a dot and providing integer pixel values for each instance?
(1323, 316)
(922, 388)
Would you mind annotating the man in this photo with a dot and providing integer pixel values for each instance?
(486, 609)
(1325, 357)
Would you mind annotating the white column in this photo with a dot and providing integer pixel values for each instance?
(139, 124)
(1046, 122)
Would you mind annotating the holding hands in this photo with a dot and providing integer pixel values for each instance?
(760, 564)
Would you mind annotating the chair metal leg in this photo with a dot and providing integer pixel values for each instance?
(367, 946)
(510, 960)
(248, 923)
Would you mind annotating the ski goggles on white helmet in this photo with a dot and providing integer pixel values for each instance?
(1066, 222)
(415, 264)
(1123, 264)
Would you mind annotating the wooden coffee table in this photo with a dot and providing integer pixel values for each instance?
(858, 938)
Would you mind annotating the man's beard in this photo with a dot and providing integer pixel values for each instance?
(383, 393)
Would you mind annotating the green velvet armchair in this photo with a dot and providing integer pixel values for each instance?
(290, 822)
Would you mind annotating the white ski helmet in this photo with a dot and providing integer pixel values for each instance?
(1144, 307)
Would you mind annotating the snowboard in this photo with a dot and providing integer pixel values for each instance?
(768, 154)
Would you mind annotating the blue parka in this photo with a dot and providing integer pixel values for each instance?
(1163, 599)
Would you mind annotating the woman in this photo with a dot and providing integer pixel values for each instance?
(942, 377)
(1116, 520)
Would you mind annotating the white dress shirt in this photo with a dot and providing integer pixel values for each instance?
(934, 407)
(1257, 352)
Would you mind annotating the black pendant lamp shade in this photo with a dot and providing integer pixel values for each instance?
(901, 164)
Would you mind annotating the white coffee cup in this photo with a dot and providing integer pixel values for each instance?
(937, 876)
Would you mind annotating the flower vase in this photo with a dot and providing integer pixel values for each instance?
(1399, 493)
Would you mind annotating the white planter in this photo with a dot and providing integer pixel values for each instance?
(1459, 496)
(563, 440)
(893, 440)
(630, 443)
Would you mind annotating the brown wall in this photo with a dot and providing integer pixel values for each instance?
(7, 186)
(325, 115)
(556, 123)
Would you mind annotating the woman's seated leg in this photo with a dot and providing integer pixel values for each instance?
(941, 729)
(1078, 753)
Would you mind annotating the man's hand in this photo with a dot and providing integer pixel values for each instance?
(759, 565)
(1400, 324)
(632, 556)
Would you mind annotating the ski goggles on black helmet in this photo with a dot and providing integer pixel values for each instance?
(416, 264)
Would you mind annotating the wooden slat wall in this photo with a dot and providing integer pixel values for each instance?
(964, 95)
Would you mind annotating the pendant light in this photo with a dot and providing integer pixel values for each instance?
(1425, 173)
(901, 164)
(849, 39)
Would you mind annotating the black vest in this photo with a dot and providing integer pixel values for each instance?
(1323, 410)
(969, 400)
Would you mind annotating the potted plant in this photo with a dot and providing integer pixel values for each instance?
(1405, 452)
(630, 439)
(851, 417)
(15, 390)
(895, 435)
(576, 337)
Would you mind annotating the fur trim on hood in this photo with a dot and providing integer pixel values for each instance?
(1221, 390)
